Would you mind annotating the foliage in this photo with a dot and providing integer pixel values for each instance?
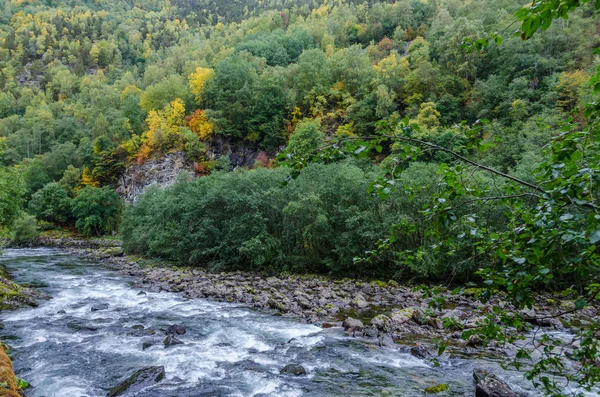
(11, 193)
(51, 203)
(315, 223)
(96, 211)
(24, 230)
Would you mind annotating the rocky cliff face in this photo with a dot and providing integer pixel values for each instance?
(163, 172)
(153, 172)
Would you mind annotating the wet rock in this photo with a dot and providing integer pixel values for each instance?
(142, 293)
(386, 340)
(171, 341)
(137, 332)
(102, 306)
(61, 312)
(249, 365)
(293, 369)
(175, 329)
(139, 380)
(149, 342)
(327, 324)
(489, 385)
(420, 351)
(437, 389)
(352, 326)
(81, 325)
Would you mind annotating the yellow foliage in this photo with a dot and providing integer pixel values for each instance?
(321, 11)
(131, 89)
(163, 127)
(346, 130)
(87, 179)
(198, 80)
(199, 124)
(569, 88)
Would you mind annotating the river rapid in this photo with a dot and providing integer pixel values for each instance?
(64, 349)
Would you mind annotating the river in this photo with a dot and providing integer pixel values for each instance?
(64, 349)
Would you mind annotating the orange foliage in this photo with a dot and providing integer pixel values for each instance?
(199, 124)
(143, 153)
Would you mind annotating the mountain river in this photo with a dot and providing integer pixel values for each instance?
(64, 349)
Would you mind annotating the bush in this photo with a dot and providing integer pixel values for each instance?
(96, 211)
(51, 203)
(255, 220)
(24, 230)
(317, 223)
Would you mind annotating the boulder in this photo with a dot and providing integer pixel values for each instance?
(170, 340)
(420, 351)
(381, 323)
(149, 342)
(175, 329)
(101, 306)
(489, 385)
(293, 369)
(138, 380)
(402, 316)
(352, 325)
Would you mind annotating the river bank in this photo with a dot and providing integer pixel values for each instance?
(386, 312)
(12, 296)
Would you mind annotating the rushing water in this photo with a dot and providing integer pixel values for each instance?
(229, 349)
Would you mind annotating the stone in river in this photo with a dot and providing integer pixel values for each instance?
(293, 369)
(138, 380)
(175, 329)
(170, 340)
(102, 306)
(489, 385)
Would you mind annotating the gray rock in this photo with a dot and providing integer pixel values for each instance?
(137, 381)
(175, 329)
(170, 340)
(489, 385)
(149, 342)
(381, 322)
(101, 306)
(420, 351)
(293, 369)
(352, 325)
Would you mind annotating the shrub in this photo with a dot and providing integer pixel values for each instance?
(51, 203)
(96, 211)
(24, 230)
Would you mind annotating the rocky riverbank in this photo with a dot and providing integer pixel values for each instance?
(12, 296)
(390, 314)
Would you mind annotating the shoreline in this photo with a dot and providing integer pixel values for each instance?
(389, 314)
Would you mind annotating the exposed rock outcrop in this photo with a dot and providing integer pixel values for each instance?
(153, 172)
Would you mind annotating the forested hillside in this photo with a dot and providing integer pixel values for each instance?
(449, 141)
(87, 88)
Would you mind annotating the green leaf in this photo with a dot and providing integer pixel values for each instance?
(580, 303)
(594, 236)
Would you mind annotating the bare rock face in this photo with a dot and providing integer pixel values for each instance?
(153, 172)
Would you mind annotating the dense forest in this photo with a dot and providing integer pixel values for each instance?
(414, 140)
(89, 88)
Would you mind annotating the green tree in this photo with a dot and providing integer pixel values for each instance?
(51, 203)
(96, 211)
(11, 196)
